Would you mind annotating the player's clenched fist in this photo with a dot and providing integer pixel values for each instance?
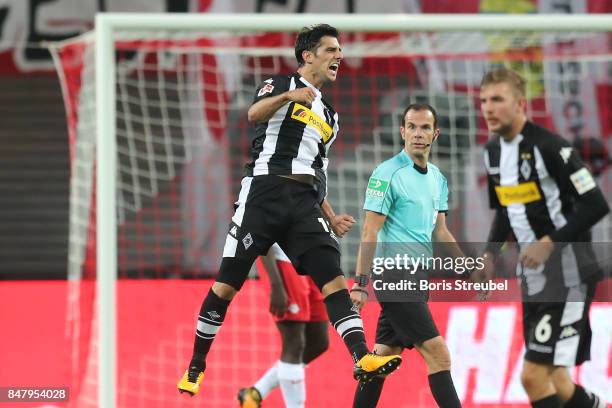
(341, 224)
(305, 95)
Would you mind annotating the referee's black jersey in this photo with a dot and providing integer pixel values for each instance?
(539, 186)
(297, 138)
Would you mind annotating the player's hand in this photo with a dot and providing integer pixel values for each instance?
(278, 301)
(305, 96)
(484, 275)
(537, 253)
(341, 224)
(359, 296)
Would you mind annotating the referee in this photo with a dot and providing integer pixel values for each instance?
(405, 206)
(282, 200)
(548, 201)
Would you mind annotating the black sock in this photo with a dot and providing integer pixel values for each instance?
(368, 394)
(347, 322)
(443, 390)
(552, 401)
(582, 399)
(212, 314)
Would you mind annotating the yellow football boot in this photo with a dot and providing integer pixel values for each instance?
(190, 383)
(373, 365)
(249, 398)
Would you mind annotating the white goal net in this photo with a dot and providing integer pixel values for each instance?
(182, 138)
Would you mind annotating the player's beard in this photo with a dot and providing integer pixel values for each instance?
(505, 131)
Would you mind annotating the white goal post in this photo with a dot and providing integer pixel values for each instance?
(107, 24)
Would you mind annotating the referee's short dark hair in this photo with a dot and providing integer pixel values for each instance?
(309, 37)
(420, 107)
(505, 75)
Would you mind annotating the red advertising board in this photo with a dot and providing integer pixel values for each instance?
(155, 332)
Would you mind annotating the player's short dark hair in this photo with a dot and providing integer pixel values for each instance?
(420, 107)
(512, 78)
(308, 39)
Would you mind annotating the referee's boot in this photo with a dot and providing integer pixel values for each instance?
(191, 380)
(373, 365)
(249, 398)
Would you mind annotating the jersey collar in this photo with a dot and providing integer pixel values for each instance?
(308, 84)
(518, 139)
(406, 159)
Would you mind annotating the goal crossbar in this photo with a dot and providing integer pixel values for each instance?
(361, 22)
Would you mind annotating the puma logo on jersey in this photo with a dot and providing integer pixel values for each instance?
(233, 231)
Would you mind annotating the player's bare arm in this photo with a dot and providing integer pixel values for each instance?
(369, 233)
(537, 253)
(263, 110)
(278, 294)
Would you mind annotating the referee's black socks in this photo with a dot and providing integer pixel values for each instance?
(368, 393)
(443, 389)
(210, 319)
(347, 322)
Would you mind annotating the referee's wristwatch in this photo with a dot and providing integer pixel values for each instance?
(362, 280)
(362, 283)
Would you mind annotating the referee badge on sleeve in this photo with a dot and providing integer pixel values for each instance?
(377, 188)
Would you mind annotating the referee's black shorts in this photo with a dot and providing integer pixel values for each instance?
(277, 209)
(405, 324)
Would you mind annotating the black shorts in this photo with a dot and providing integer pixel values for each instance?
(277, 209)
(405, 324)
(559, 333)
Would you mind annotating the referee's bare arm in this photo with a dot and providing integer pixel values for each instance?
(442, 234)
(262, 111)
(369, 235)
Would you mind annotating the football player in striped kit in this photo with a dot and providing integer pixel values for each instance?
(543, 195)
(278, 202)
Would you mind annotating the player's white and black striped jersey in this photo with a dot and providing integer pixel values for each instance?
(297, 138)
(539, 186)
